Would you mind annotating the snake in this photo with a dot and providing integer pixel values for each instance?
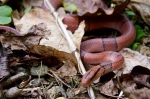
(10, 29)
(101, 52)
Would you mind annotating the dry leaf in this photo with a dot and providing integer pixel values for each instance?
(141, 7)
(132, 59)
(131, 90)
(53, 93)
(143, 93)
(140, 76)
(144, 50)
(47, 39)
(67, 70)
(14, 42)
(129, 84)
(76, 91)
(109, 88)
(96, 7)
(32, 3)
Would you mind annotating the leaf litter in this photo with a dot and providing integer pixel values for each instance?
(39, 31)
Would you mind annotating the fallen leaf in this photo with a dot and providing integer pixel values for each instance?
(32, 3)
(141, 7)
(94, 7)
(132, 59)
(109, 88)
(48, 41)
(67, 70)
(76, 91)
(143, 93)
(54, 92)
(15, 42)
(144, 50)
(140, 76)
(129, 84)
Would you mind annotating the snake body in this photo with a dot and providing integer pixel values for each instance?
(10, 29)
(101, 51)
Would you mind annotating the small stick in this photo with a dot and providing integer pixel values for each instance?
(70, 42)
(58, 78)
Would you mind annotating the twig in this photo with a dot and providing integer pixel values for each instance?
(58, 78)
(70, 42)
(121, 93)
(30, 89)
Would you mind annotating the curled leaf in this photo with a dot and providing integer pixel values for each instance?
(140, 7)
(93, 7)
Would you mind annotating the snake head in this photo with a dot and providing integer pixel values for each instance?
(91, 75)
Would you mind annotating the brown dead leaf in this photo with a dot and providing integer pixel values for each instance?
(143, 93)
(141, 7)
(71, 93)
(140, 76)
(14, 42)
(146, 39)
(96, 7)
(53, 93)
(109, 88)
(67, 70)
(131, 90)
(144, 50)
(47, 39)
(142, 80)
(129, 84)
(32, 3)
(132, 59)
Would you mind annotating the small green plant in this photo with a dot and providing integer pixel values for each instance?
(70, 7)
(131, 13)
(139, 34)
(27, 10)
(5, 14)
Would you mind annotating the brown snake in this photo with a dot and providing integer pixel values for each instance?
(100, 51)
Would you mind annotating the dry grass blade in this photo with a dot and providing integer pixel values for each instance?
(71, 44)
